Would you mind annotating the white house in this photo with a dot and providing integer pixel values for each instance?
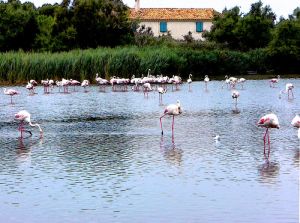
(179, 21)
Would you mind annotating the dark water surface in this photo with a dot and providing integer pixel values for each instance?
(103, 159)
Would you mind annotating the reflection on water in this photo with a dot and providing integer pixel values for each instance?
(268, 171)
(102, 156)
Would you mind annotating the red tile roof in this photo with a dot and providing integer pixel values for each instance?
(172, 14)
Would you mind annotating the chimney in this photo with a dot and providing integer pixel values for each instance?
(137, 5)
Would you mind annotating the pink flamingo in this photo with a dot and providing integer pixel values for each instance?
(235, 94)
(206, 80)
(161, 91)
(274, 81)
(268, 121)
(24, 116)
(11, 93)
(289, 88)
(30, 87)
(189, 81)
(147, 88)
(172, 109)
(84, 84)
(296, 123)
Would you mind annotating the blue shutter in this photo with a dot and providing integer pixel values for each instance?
(163, 27)
(199, 27)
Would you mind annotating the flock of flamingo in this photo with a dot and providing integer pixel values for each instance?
(159, 84)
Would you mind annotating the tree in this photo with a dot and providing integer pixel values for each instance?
(100, 22)
(285, 45)
(223, 29)
(254, 29)
(18, 25)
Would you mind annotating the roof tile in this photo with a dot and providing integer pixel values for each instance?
(172, 13)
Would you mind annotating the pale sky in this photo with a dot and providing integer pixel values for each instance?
(279, 7)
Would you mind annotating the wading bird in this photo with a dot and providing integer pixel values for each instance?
(161, 91)
(189, 81)
(11, 93)
(289, 89)
(268, 121)
(206, 80)
(274, 81)
(172, 109)
(296, 123)
(235, 94)
(24, 116)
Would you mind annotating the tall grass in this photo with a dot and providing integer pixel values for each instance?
(19, 67)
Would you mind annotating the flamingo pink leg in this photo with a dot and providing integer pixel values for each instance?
(269, 145)
(265, 142)
(173, 126)
(161, 123)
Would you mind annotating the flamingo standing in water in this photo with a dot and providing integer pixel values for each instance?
(172, 109)
(268, 121)
(84, 84)
(189, 81)
(161, 91)
(289, 88)
(235, 94)
(274, 81)
(206, 80)
(147, 88)
(24, 116)
(30, 87)
(11, 93)
(296, 123)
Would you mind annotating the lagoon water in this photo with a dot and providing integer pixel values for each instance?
(103, 159)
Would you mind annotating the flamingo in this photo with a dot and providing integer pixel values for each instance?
(147, 87)
(24, 116)
(235, 94)
(242, 81)
(11, 93)
(30, 87)
(172, 109)
(227, 82)
(268, 121)
(33, 82)
(84, 84)
(274, 81)
(189, 81)
(206, 80)
(161, 91)
(296, 123)
(289, 88)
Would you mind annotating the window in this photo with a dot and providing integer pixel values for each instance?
(163, 27)
(199, 27)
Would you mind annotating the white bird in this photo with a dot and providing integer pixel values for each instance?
(147, 88)
(242, 81)
(217, 138)
(189, 81)
(24, 116)
(11, 93)
(206, 80)
(84, 84)
(274, 81)
(289, 89)
(296, 123)
(235, 94)
(161, 91)
(174, 110)
(30, 87)
(268, 121)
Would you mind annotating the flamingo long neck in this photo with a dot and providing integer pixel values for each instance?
(299, 133)
(33, 125)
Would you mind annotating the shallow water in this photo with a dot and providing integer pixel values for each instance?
(103, 159)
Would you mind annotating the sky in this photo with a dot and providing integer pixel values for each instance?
(279, 7)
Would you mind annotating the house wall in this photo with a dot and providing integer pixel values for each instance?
(178, 28)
